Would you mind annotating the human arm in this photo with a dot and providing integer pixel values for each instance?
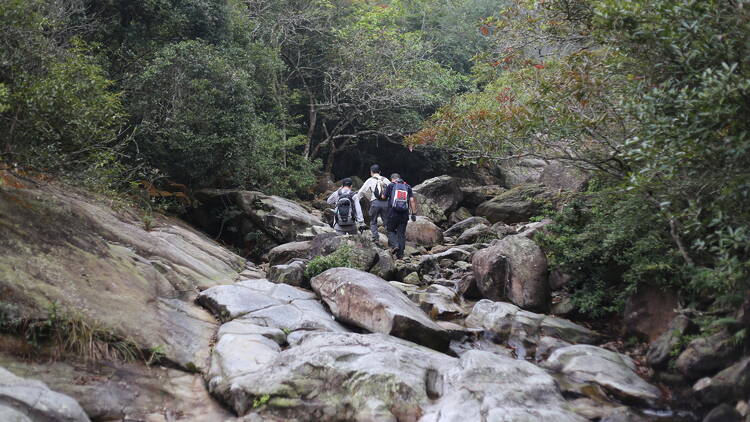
(368, 188)
(358, 209)
(332, 199)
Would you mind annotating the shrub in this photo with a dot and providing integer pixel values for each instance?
(341, 257)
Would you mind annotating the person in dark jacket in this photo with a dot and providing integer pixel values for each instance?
(401, 204)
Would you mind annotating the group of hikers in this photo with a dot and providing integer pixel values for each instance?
(391, 200)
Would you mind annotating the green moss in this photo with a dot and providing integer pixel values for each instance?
(341, 257)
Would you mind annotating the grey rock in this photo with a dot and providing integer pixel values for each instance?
(459, 215)
(438, 301)
(458, 228)
(104, 266)
(428, 208)
(385, 266)
(443, 191)
(730, 384)
(478, 233)
(516, 205)
(413, 279)
(512, 325)
(292, 274)
(34, 400)
(531, 229)
(706, 355)
(476, 195)
(557, 175)
(281, 219)
(514, 268)
(267, 304)
(423, 232)
(649, 311)
(367, 301)
(337, 376)
(723, 413)
(283, 254)
(659, 350)
(502, 229)
(111, 391)
(615, 372)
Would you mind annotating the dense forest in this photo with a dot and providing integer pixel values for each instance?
(651, 97)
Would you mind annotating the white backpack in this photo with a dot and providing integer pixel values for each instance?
(380, 186)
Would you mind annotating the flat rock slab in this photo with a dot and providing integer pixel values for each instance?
(346, 376)
(30, 400)
(103, 267)
(614, 372)
(369, 302)
(270, 305)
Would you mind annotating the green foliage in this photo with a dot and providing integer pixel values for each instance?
(609, 242)
(341, 257)
(261, 400)
(203, 127)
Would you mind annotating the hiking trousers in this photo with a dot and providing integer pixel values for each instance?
(396, 228)
(377, 208)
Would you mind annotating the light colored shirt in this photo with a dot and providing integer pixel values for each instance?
(368, 188)
(334, 198)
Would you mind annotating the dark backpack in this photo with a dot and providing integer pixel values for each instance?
(344, 211)
(400, 197)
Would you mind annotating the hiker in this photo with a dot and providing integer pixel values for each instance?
(347, 214)
(374, 190)
(401, 203)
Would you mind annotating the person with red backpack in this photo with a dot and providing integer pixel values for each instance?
(348, 214)
(401, 204)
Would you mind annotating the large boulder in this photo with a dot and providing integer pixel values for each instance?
(292, 273)
(510, 324)
(478, 234)
(283, 254)
(650, 310)
(109, 269)
(444, 191)
(514, 268)
(343, 376)
(522, 171)
(476, 195)
(367, 301)
(516, 205)
(458, 228)
(730, 384)
(423, 232)
(614, 372)
(706, 355)
(29, 400)
(430, 209)
(440, 302)
(557, 175)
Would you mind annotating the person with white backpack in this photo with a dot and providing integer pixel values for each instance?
(348, 214)
(374, 190)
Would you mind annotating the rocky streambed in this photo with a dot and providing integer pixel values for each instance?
(460, 330)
